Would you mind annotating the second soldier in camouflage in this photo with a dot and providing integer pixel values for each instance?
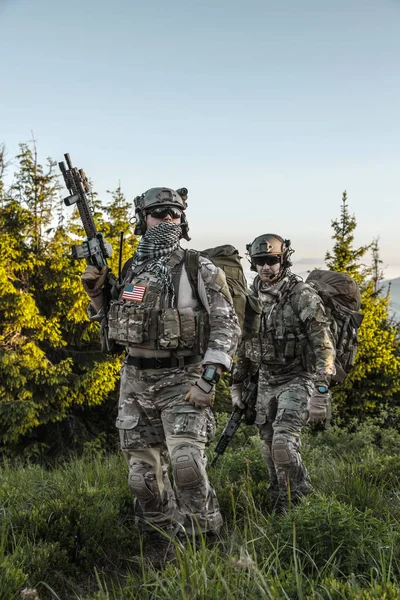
(292, 346)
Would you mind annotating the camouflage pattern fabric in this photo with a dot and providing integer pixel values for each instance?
(291, 341)
(223, 322)
(157, 426)
(294, 344)
(281, 414)
(155, 422)
(206, 325)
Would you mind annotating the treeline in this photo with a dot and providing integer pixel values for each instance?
(58, 392)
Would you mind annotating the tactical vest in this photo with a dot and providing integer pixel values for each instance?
(281, 341)
(152, 325)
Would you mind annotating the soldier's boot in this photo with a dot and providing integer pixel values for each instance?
(159, 550)
(273, 493)
(299, 491)
(281, 504)
(207, 539)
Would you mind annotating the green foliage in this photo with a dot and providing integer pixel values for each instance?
(375, 378)
(344, 257)
(223, 401)
(51, 368)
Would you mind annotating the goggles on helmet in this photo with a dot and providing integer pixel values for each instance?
(163, 211)
(266, 260)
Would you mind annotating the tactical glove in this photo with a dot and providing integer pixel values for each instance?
(201, 394)
(236, 395)
(318, 404)
(93, 280)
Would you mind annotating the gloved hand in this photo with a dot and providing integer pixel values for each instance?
(93, 280)
(318, 404)
(236, 395)
(201, 394)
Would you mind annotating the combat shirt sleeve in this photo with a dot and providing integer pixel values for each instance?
(224, 325)
(312, 313)
(95, 315)
(243, 364)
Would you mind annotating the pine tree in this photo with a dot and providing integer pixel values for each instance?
(52, 374)
(375, 379)
(376, 268)
(344, 258)
(2, 170)
(121, 215)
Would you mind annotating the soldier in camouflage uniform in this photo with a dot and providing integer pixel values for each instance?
(295, 354)
(177, 344)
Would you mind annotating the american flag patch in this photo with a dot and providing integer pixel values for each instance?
(133, 292)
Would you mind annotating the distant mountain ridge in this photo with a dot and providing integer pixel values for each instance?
(394, 294)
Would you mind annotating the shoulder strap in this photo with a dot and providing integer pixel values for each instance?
(192, 260)
(126, 268)
(294, 292)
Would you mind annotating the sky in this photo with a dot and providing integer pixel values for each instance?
(265, 111)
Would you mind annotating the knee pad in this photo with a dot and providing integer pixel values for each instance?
(266, 452)
(142, 482)
(281, 451)
(187, 466)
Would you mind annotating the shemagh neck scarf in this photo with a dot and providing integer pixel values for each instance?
(154, 251)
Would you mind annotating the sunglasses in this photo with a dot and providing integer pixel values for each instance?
(161, 213)
(267, 260)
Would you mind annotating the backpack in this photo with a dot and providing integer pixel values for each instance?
(342, 300)
(227, 258)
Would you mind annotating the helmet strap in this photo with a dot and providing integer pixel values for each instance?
(185, 228)
(140, 226)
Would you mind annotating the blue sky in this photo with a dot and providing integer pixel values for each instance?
(266, 111)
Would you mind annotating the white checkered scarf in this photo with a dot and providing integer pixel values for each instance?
(156, 247)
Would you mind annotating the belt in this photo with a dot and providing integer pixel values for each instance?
(167, 362)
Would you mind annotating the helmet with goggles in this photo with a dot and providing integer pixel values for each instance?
(159, 202)
(269, 249)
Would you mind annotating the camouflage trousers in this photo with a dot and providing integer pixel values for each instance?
(281, 414)
(157, 427)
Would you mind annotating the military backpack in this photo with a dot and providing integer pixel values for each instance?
(227, 258)
(342, 300)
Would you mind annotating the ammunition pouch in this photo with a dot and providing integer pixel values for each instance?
(161, 329)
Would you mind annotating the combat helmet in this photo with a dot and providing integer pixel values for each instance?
(160, 197)
(270, 244)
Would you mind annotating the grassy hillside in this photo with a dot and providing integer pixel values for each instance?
(69, 532)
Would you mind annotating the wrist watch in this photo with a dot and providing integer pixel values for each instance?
(322, 388)
(210, 374)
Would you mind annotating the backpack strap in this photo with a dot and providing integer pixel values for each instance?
(192, 262)
(292, 293)
(117, 286)
(127, 266)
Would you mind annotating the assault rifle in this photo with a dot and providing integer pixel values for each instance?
(95, 249)
(239, 415)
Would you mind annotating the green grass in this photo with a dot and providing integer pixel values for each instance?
(69, 531)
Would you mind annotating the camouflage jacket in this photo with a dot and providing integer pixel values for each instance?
(205, 325)
(294, 335)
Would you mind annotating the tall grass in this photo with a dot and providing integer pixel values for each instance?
(69, 532)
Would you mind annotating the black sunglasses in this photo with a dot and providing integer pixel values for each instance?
(162, 212)
(267, 260)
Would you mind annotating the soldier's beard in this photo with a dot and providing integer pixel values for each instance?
(276, 278)
(268, 278)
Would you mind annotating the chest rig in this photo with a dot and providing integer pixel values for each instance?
(281, 340)
(149, 322)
